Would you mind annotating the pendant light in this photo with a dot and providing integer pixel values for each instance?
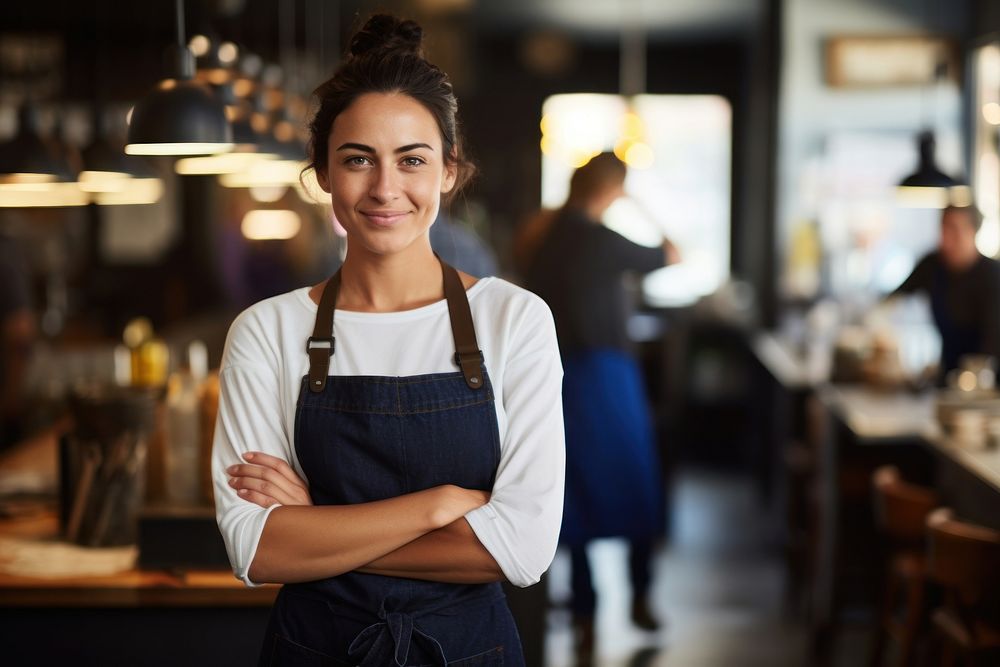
(32, 173)
(180, 116)
(28, 158)
(928, 186)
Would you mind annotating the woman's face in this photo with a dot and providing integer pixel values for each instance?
(386, 171)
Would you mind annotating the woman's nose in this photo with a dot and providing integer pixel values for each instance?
(384, 186)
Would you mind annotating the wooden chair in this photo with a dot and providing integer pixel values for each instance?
(964, 559)
(901, 511)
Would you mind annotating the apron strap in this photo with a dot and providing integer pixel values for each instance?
(322, 345)
(468, 356)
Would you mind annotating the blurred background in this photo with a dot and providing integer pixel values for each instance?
(797, 153)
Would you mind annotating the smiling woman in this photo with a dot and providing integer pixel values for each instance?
(390, 442)
(386, 192)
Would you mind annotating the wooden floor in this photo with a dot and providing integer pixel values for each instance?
(718, 586)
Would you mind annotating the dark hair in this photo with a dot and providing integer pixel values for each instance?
(970, 212)
(600, 172)
(385, 56)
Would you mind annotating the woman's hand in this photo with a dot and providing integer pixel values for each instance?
(267, 480)
(454, 502)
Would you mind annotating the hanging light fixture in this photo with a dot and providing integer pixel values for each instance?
(32, 173)
(928, 186)
(28, 158)
(180, 116)
(248, 145)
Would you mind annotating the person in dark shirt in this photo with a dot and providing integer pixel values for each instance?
(613, 484)
(963, 287)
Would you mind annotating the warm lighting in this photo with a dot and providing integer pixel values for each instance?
(102, 181)
(988, 237)
(639, 156)
(573, 127)
(284, 131)
(228, 53)
(967, 381)
(921, 197)
(268, 225)
(960, 195)
(265, 172)
(224, 163)
(268, 194)
(133, 192)
(243, 87)
(27, 179)
(178, 149)
(991, 112)
(199, 45)
(50, 195)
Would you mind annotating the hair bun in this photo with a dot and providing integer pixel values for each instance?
(387, 33)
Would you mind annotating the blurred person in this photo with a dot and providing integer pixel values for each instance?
(963, 287)
(461, 247)
(613, 480)
(389, 443)
(18, 330)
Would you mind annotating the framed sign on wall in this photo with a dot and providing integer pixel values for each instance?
(871, 61)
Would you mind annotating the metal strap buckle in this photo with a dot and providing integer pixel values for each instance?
(318, 342)
(459, 357)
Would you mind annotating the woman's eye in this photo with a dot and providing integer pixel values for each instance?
(413, 161)
(356, 161)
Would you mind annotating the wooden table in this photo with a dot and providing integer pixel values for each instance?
(148, 617)
(863, 428)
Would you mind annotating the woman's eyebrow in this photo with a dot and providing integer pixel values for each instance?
(368, 149)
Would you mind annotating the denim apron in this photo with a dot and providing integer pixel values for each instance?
(364, 438)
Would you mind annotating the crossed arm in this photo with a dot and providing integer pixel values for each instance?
(420, 535)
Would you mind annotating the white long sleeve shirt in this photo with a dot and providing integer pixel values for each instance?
(265, 360)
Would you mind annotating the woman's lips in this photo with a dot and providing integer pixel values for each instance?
(384, 218)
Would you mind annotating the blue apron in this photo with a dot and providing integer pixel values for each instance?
(364, 438)
(614, 484)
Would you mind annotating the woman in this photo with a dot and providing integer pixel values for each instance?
(613, 484)
(434, 469)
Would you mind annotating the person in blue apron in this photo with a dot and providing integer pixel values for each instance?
(613, 478)
(963, 287)
(388, 455)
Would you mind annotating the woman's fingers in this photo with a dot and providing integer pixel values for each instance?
(259, 487)
(269, 482)
(279, 465)
(257, 498)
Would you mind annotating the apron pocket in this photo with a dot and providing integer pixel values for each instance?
(287, 652)
(491, 658)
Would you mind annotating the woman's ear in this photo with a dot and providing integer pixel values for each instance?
(321, 178)
(450, 174)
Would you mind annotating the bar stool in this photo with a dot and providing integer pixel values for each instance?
(964, 559)
(901, 510)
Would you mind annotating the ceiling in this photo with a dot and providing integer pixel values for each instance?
(680, 20)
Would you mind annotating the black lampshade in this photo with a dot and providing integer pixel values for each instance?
(29, 157)
(927, 175)
(179, 118)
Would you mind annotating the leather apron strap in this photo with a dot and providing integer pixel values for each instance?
(322, 345)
